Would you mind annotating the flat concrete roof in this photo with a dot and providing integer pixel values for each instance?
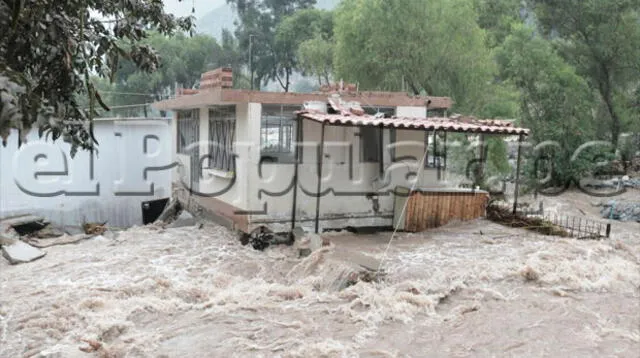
(220, 96)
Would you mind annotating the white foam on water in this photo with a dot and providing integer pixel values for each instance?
(198, 292)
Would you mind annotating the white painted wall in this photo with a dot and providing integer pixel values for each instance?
(346, 196)
(69, 197)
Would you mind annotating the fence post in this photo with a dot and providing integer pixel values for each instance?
(515, 194)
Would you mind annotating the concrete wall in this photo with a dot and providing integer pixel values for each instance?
(67, 194)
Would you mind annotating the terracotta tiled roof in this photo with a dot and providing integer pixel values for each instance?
(451, 124)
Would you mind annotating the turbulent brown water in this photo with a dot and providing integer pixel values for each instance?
(472, 289)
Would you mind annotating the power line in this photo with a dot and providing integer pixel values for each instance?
(129, 106)
(130, 93)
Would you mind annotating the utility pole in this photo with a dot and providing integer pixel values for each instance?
(251, 58)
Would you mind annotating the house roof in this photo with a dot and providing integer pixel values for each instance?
(451, 124)
(216, 96)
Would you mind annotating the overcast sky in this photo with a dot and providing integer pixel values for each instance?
(183, 8)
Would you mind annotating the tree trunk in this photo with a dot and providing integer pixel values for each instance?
(607, 97)
(615, 120)
(415, 89)
(288, 75)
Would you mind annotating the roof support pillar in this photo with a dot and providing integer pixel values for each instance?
(435, 148)
(294, 204)
(426, 149)
(319, 188)
(381, 149)
(516, 190)
(444, 148)
(479, 179)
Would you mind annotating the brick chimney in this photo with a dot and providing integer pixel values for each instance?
(340, 87)
(219, 78)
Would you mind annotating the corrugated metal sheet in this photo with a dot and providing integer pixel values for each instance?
(452, 124)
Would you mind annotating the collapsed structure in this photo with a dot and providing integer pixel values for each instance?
(261, 161)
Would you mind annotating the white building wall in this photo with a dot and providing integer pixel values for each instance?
(173, 135)
(71, 196)
(410, 144)
(343, 195)
(345, 181)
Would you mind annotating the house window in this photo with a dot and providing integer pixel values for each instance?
(278, 133)
(188, 123)
(222, 130)
(370, 144)
(371, 137)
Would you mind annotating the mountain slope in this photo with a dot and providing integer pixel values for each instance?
(214, 21)
(223, 17)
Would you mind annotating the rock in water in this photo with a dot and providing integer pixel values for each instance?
(309, 243)
(184, 219)
(20, 252)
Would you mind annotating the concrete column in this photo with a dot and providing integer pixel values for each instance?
(204, 134)
(173, 135)
(252, 138)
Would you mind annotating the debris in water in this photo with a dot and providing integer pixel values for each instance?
(21, 252)
(63, 240)
(184, 219)
(311, 242)
(170, 211)
(505, 216)
(94, 228)
(93, 346)
(335, 270)
(24, 224)
(529, 274)
(49, 231)
(262, 237)
(7, 240)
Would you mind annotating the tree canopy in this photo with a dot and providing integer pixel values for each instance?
(256, 33)
(429, 45)
(305, 38)
(50, 49)
(182, 61)
(602, 40)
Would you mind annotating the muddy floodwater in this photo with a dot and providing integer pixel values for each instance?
(467, 289)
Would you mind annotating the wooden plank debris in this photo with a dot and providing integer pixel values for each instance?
(62, 240)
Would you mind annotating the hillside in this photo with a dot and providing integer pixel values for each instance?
(214, 21)
(223, 17)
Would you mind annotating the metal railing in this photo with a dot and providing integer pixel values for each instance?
(577, 227)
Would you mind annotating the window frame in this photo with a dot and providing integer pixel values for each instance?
(277, 116)
(222, 137)
(374, 132)
(184, 119)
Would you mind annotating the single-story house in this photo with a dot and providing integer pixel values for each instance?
(250, 159)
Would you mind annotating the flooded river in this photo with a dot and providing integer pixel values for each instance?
(468, 289)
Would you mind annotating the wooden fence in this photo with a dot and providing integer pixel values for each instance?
(430, 209)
